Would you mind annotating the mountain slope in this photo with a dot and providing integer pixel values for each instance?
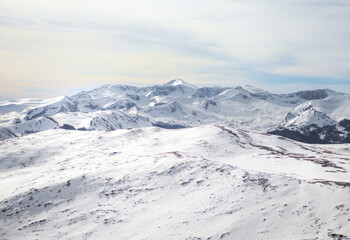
(208, 182)
(178, 104)
(318, 121)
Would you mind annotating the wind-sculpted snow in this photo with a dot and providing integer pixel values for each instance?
(207, 182)
(177, 104)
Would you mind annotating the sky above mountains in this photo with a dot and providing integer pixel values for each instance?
(50, 48)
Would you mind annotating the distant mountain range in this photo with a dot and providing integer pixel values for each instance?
(314, 116)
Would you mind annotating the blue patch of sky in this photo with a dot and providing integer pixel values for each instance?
(276, 79)
(322, 3)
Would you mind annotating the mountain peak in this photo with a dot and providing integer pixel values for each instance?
(254, 89)
(179, 81)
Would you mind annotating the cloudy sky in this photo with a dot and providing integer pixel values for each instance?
(50, 48)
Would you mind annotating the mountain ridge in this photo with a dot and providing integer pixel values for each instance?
(176, 162)
(180, 104)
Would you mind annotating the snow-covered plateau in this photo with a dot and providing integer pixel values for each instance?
(174, 161)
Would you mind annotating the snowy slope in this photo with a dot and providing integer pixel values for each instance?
(207, 182)
(13, 111)
(13, 114)
(319, 121)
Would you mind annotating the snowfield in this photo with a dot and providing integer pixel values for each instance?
(175, 161)
(205, 182)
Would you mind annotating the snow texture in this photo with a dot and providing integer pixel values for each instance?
(207, 182)
(175, 161)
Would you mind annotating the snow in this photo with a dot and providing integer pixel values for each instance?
(179, 81)
(254, 89)
(319, 119)
(21, 104)
(307, 114)
(93, 166)
(151, 183)
(174, 103)
(335, 108)
(10, 110)
(75, 119)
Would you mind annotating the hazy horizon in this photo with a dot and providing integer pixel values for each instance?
(49, 93)
(55, 48)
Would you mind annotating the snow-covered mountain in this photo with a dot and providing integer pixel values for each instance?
(207, 182)
(324, 120)
(175, 161)
(176, 104)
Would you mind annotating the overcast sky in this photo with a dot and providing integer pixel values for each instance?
(50, 48)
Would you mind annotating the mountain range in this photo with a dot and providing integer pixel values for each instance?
(175, 161)
(312, 116)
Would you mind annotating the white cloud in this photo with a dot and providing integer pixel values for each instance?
(55, 42)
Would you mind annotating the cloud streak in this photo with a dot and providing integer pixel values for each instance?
(69, 44)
